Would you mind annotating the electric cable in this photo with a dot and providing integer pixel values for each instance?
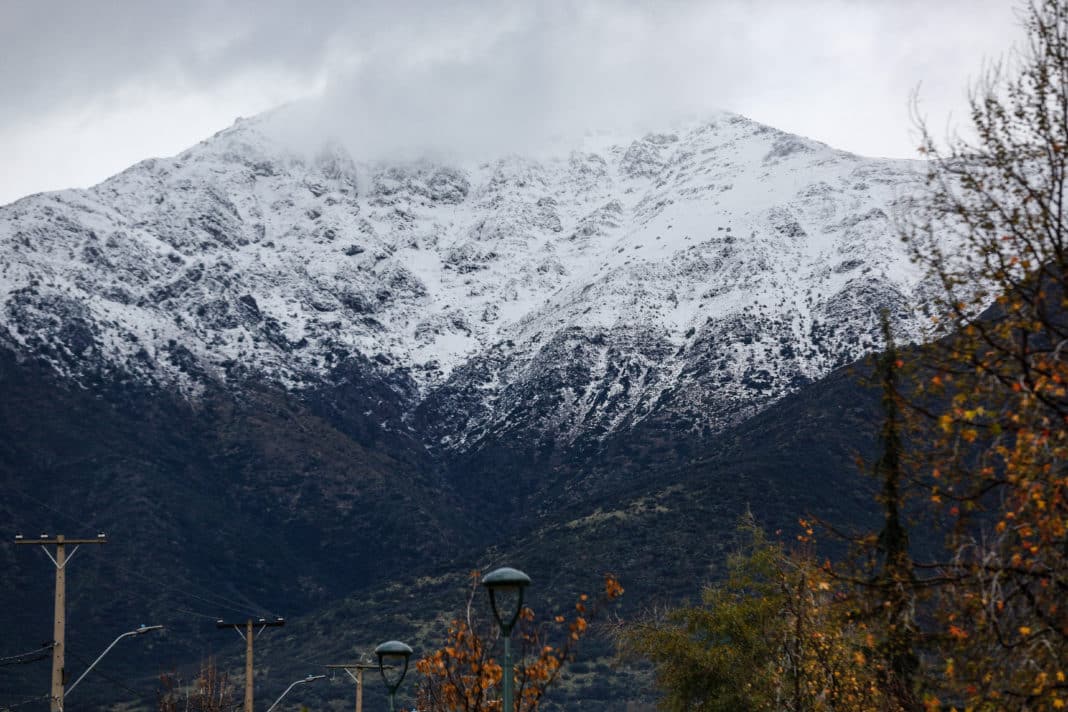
(195, 613)
(21, 657)
(213, 598)
(5, 708)
(99, 673)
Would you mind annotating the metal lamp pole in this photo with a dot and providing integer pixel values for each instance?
(393, 649)
(140, 631)
(309, 678)
(507, 580)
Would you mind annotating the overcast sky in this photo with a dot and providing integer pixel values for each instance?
(90, 87)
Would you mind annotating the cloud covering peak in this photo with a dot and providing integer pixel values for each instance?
(91, 87)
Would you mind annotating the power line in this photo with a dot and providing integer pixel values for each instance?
(5, 708)
(212, 597)
(30, 657)
(194, 613)
(47, 506)
(100, 673)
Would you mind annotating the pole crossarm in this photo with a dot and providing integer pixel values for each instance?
(43, 541)
(59, 540)
(362, 665)
(356, 666)
(258, 623)
(245, 630)
(357, 677)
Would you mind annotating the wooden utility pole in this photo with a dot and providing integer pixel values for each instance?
(249, 636)
(357, 677)
(59, 616)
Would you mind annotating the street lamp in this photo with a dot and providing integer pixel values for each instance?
(139, 631)
(506, 581)
(395, 651)
(309, 678)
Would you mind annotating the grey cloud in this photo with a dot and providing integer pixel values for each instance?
(507, 78)
(467, 75)
(58, 55)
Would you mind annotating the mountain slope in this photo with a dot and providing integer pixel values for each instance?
(261, 508)
(235, 505)
(665, 533)
(695, 275)
(305, 385)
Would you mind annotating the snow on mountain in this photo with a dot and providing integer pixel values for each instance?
(700, 273)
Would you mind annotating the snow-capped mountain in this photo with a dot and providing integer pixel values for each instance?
(696, 274)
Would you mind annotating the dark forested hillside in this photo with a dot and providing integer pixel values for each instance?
(266, 503)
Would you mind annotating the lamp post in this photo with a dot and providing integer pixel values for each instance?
(396, 651)
(506, 581)
(139, 631)
(309, 678)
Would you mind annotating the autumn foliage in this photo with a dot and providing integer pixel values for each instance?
(465, 676)
(996, 461)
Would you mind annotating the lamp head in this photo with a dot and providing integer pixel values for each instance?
(396, 651)
(393, 648)
(505, 577)
(506, 580)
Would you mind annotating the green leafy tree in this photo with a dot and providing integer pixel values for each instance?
(719, 655)
(772, 636)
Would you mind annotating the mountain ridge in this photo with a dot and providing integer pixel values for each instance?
(706, 272)
(231, 353)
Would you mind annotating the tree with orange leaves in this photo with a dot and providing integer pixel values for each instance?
(463, 675)
(997, 449)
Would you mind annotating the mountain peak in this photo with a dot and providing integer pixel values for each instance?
(714, 260)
